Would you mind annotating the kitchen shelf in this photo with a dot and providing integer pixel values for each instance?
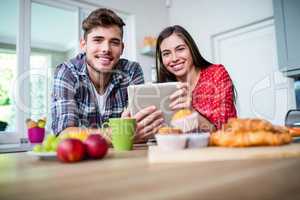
(148, 51)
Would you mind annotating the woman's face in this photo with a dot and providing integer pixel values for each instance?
(176, 56)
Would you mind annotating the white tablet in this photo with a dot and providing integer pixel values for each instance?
(157, 94)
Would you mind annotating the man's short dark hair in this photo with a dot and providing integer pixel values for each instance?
(102, 17)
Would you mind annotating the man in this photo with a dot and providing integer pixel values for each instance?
(92, 87)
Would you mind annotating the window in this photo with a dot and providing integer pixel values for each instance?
(48, 49)
(8, 63)
(48, 34)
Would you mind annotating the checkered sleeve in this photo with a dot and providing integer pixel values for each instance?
(137, 74)
(64, 110)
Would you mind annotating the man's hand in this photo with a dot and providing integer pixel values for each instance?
(125, 113)
(148, 120)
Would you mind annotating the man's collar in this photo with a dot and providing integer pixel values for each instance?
(116, 75)
(83, 68)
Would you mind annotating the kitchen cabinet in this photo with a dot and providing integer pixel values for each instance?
(287, 26)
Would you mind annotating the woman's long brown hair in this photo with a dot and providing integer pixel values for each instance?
(163, 75)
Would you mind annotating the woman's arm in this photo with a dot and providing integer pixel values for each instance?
(213, 97)
(182, 99)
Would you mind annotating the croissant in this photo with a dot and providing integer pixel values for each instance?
(250, 132)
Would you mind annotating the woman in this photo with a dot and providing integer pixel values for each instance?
(205, 88)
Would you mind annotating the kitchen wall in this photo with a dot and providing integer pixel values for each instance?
(249, 54)
(240, 34)
(208, 17)
(150, 18)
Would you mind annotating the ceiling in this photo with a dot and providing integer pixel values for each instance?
(51, 28)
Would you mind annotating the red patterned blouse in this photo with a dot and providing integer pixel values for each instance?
(213, 95)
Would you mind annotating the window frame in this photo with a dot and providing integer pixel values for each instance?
(23, 52)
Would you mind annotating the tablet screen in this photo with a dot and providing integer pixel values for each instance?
(157, 94)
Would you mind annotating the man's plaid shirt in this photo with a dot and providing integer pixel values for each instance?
(73, 99)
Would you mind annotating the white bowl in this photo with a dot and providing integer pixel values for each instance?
(171, 141)
(197, 140)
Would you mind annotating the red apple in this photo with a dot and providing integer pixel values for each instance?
(96, 146)
(70, 150)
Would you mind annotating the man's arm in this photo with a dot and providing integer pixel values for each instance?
(64, 109)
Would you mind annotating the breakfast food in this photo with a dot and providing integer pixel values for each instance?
(250, 132)
(49, 144)
(180, 114)
(186, 120)
(169, 130)
(294, 131)
(75, 135)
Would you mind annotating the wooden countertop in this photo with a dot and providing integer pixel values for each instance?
(129, 176)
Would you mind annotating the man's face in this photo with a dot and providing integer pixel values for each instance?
(103, 47)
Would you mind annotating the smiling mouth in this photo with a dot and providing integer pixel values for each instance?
(177, 67)
(104, 60)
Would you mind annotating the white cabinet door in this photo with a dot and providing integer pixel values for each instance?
(249, 55)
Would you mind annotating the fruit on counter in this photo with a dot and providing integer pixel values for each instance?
(74, 149)
(38, 148)
(96, 146)
(294, 131)
(76, 135)
(30, 123)
(70, 150)
(41, 123)
(49, 144)
(55, 143)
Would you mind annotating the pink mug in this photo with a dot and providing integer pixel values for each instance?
(36, 134)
